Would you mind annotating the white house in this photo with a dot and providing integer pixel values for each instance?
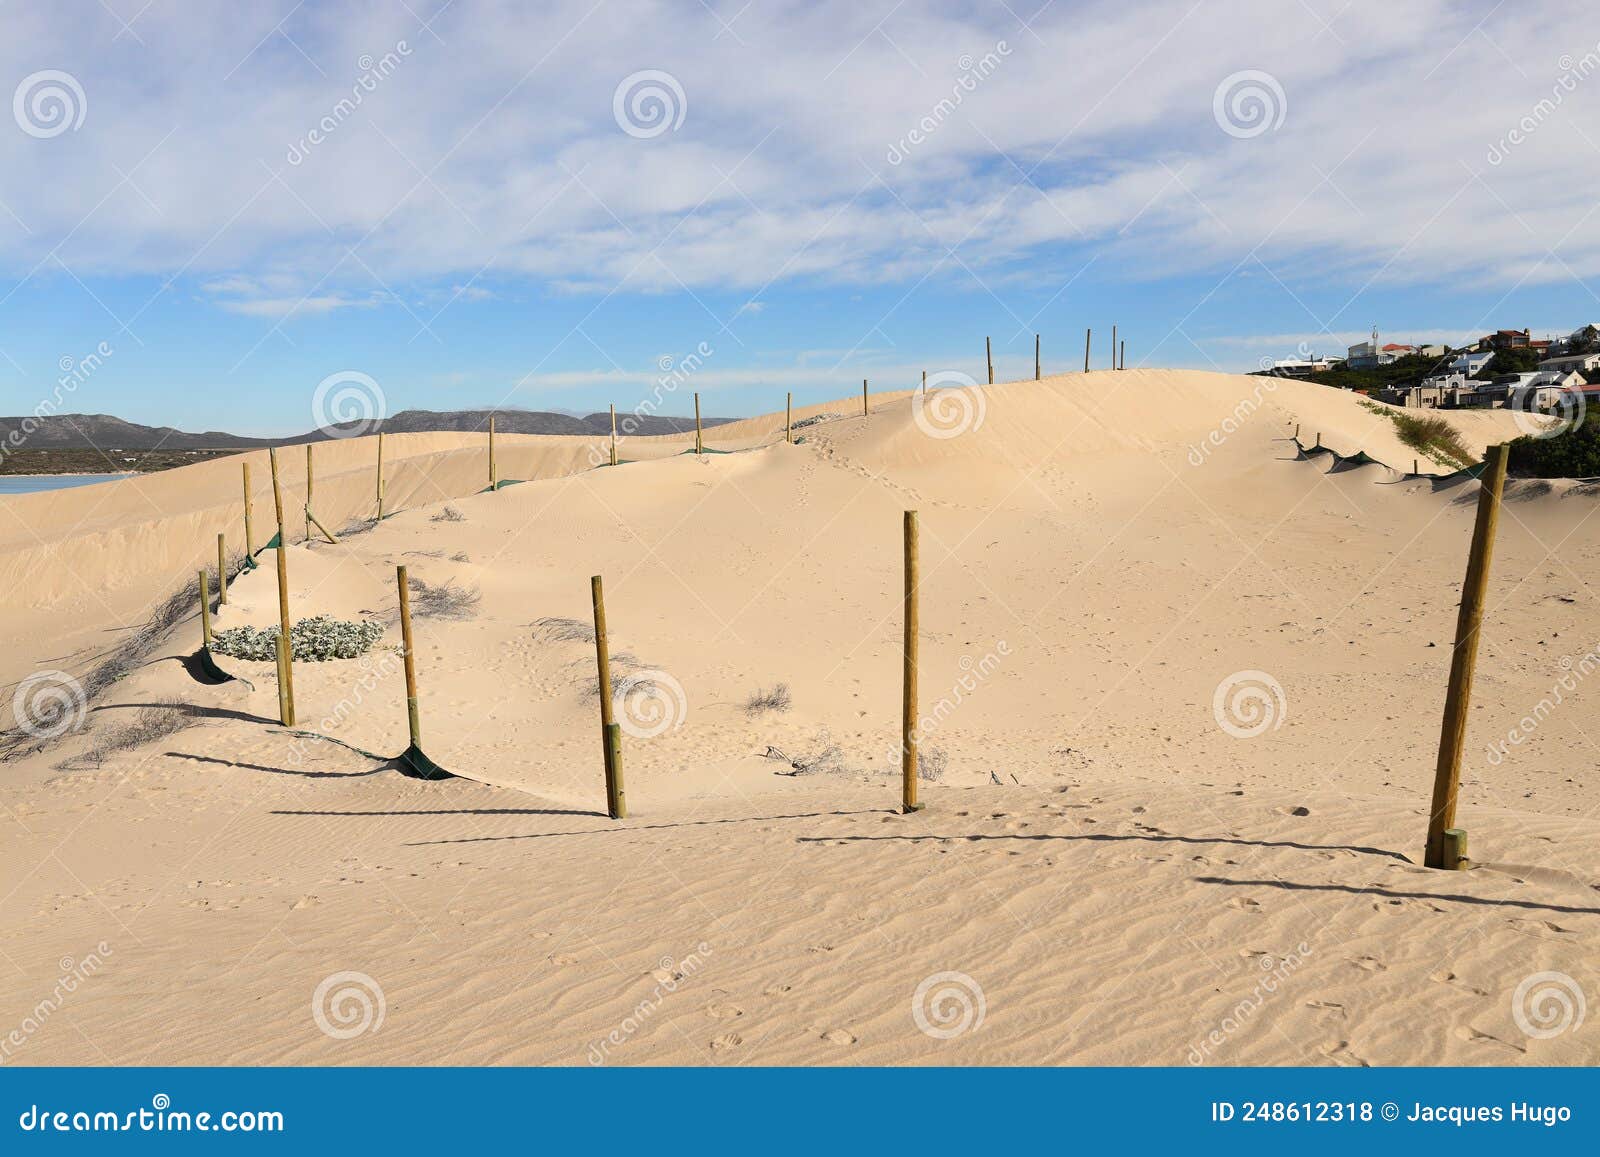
(1578, 362)
(1472, 364)
(1455, 380)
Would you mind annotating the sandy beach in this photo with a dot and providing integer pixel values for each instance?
(1181, 685)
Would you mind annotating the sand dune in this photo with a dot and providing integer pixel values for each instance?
(1107, 870)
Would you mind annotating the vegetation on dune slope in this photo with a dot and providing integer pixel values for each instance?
(1432, 437)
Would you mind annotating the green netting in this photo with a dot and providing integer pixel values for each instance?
(502, 484)
(208, 669)
(413, 761)
(1362, 458)
(709, 450)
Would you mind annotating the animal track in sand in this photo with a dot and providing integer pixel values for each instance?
(1445, 976)
(728, 1040)
(1331, 1010)
(776, 989)
(1369, 963)
(1339, 1050)
(839, 1036)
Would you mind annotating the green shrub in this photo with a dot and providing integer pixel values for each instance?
(1573, 453)
(311, 640)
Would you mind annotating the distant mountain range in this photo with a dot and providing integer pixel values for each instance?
(80, 431)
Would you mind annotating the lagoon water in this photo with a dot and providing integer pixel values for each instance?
(28, 483)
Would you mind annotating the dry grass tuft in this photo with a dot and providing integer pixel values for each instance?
(557, 630)
(449, 514)
(442, 601)
(775, 699)
(153, 722)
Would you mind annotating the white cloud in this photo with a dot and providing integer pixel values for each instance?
(494, 148)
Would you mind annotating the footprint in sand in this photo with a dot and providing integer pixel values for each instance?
(1339, 1052)
(839, 1036)
(1330, 1010)
(721, 1009)
(1445, 976)
(1369, 963)
(1467, 1033)
(775, 989)
(820, 948)
(1245, 903)
(727, 1041)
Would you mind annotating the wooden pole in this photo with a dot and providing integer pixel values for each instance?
(1036, 357)
(788, 418)
(613, 433)
(1318, 446)
(205, 607)
(988, 356)
(380, 475)
(410, 655)
(494, 477)
(610, 733)
(1113, 347)
(924, 381)
(1297, 431)
(1086, 335)
(285, 648)
(249, 530)
(1414, 470)
(863, 397)
(222, 570)
(699, 445)
(308, 491)
(1122, 355)
(908, 703)
(1464, 659)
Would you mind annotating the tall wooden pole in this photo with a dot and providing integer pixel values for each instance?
(205, 608)
(924, 381)
(409, 653)
(699, 445)
(788, 418)
(308, 491)
(1036, 374)
(908, 704)
(610, 732)
(613, 433)
(1463, 661)
(1086, 335)
(1113, 347)
(249, 530)
(285, 647)
(988, 356)
(1122, 355)
(494, 477)
(380, 475)
(863, 397)
(222, 570)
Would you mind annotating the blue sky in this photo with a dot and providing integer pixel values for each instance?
(542, 205)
